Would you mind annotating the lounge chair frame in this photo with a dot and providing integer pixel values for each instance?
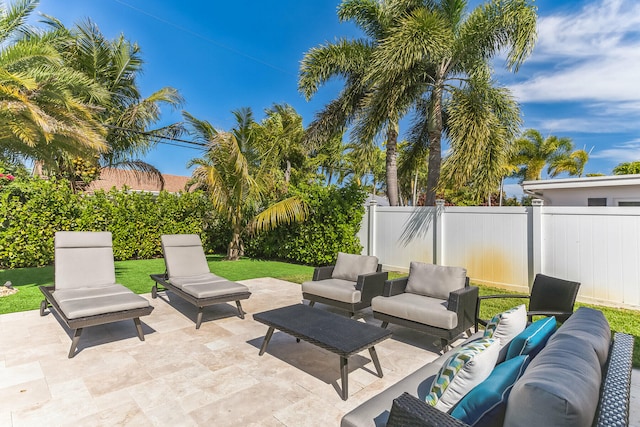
(78, 324)
(200, 303)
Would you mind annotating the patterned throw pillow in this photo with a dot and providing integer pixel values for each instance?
(471, 364)
(505, 326)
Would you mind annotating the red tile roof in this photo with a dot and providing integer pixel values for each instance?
(137, 181)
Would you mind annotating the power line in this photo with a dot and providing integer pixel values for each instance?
(205, 38)
(163, 138)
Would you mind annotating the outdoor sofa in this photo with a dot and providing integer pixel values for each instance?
(579, 376)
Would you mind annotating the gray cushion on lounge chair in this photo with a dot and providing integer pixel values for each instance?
(196, 280)
(417, 308)
(335, 289)
(350, 266)
(93, 305)
(183, 255)
(83, 260)
(206, 290)
(435, 281)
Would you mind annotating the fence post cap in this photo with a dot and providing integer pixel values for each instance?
(537, 202)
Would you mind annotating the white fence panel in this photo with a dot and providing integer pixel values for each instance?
(598, 247)
(404, 235)
(491, 243)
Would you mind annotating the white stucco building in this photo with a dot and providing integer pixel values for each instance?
(617, 190)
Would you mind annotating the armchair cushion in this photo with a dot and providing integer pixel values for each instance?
(417, 308)
(470, 365)
(533, 338)
(335, 289)
(350, 266)
(435, 281)
(486, 404)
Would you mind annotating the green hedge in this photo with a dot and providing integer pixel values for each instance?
(31, 213)
(336, 216)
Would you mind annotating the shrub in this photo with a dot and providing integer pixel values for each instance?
(31, 213)
(333, 225)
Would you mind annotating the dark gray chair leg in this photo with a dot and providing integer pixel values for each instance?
(384, 325)
(445, 345)
(240, 312)
(312, 303)
(43, 306)
(74, 342)
(136, 320)
(199, 318)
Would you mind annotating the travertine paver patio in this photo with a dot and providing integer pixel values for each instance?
(183, 377)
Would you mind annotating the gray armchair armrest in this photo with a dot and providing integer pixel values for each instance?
(322, 273)
(395, 286)
(371, 285)
(464, 302)
(409, 411)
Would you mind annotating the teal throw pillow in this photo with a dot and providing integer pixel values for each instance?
(533, 338)
(486, 404)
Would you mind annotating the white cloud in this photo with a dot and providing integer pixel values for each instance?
(626, 152)
(590, 55)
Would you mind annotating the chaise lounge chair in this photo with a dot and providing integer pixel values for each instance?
(85, 292)
(188, 276)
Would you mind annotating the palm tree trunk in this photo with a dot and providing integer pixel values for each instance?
(392, 165)
(434, 131)
(236, 247)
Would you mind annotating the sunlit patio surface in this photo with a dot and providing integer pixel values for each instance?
(180, 376)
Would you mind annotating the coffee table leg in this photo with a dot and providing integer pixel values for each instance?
(344, 373)
(376, 362)
(266, 340)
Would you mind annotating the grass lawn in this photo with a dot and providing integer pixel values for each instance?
(135, 276)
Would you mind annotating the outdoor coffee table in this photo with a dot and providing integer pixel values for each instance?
(330, 331)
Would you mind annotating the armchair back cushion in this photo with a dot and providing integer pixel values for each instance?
(435, 281)
(350, 266)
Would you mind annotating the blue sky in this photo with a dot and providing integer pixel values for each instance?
(582, 81)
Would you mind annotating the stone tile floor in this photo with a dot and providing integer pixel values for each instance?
(182, 377)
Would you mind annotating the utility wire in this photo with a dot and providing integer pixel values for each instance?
(205, 38)
(160, 138)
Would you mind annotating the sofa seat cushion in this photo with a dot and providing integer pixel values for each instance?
(470, 365)
(435, 281)
(560, 387)
(486, 404)
(92, 301)
(350, 266)
(335, 289)
(417, 308)
(533, 338)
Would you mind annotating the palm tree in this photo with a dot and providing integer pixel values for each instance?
(282, 139)
(534, 152)
(350, 60)
(237, 189)
(627, 168)
(436, 61)
(48, 110)
(128, 116)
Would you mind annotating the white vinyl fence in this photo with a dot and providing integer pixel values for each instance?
(507, 246)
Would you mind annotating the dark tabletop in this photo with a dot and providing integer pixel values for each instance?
(330, 331)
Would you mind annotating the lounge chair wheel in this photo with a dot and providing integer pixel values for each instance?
(43, 306)
(154, 292)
